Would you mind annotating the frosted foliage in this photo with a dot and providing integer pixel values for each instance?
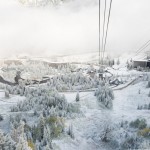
(40, 2)
(77, 97)
(61, 79)
(47, 138)
(22, 143)
(51, 102)
(6, 143)
(105, 95)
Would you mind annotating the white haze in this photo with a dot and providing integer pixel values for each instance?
(71, 28)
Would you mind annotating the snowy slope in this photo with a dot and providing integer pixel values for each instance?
(87, 129)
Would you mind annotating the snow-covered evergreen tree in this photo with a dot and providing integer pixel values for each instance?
(22, 141)
(2, 140)
(6, 142)
(70, 131)
(77, 97)
(22, 144)
(105, 95)
(47, 137)
(118, 61)
(6, 94)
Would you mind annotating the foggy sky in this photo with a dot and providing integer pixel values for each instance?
(71, 28)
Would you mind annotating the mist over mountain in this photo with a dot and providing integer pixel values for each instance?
(70, 27)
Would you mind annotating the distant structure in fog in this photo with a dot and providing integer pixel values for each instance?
(141, 63)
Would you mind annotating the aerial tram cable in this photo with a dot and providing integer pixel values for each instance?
(104, 31)
(99, 33)
(103, 35)
(107, 27)
(143, 47)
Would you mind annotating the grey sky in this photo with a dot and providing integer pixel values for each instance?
(71, 28)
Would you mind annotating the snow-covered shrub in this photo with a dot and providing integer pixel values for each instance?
(1, 118)
(139, 68)
(51, 103)
(149, 94)
(46, 129)
(6, 94)
(2, 86)
(145, 145)
(77, 97)
(106, 134)
(19, 135)
(145, 106)
(118, 61)
(35, 113)
(138, 123)
(131, 142)
(31, 144)
(114, 144)
(105, 95)
(139, 91)
(130, 66)
(124, 124)
(41, 3)
(73, 108)
(70, 131)
(6, 142)
(15, 120)
(145, 132)
(16, 140)
(56, 125)
(63, 79)
(148, 84)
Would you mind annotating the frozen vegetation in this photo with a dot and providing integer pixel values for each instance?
(74, 109)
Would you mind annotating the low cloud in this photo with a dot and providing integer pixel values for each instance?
(70, 28)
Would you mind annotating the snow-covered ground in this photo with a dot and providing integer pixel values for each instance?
(5, 103)
(87, 129)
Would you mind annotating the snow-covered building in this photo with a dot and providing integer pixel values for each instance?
(141, 63)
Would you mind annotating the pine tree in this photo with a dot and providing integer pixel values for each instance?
(22, 144)
(37, 145)
(77, 97)
(2, 140)
(105, 95)
(148, 84)
(118, 62)
(41, 126)
(47, 136)
(9, 143)
(70, 131)
(139, 91)
(1, 117)
(149, 106)
(6, 94)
